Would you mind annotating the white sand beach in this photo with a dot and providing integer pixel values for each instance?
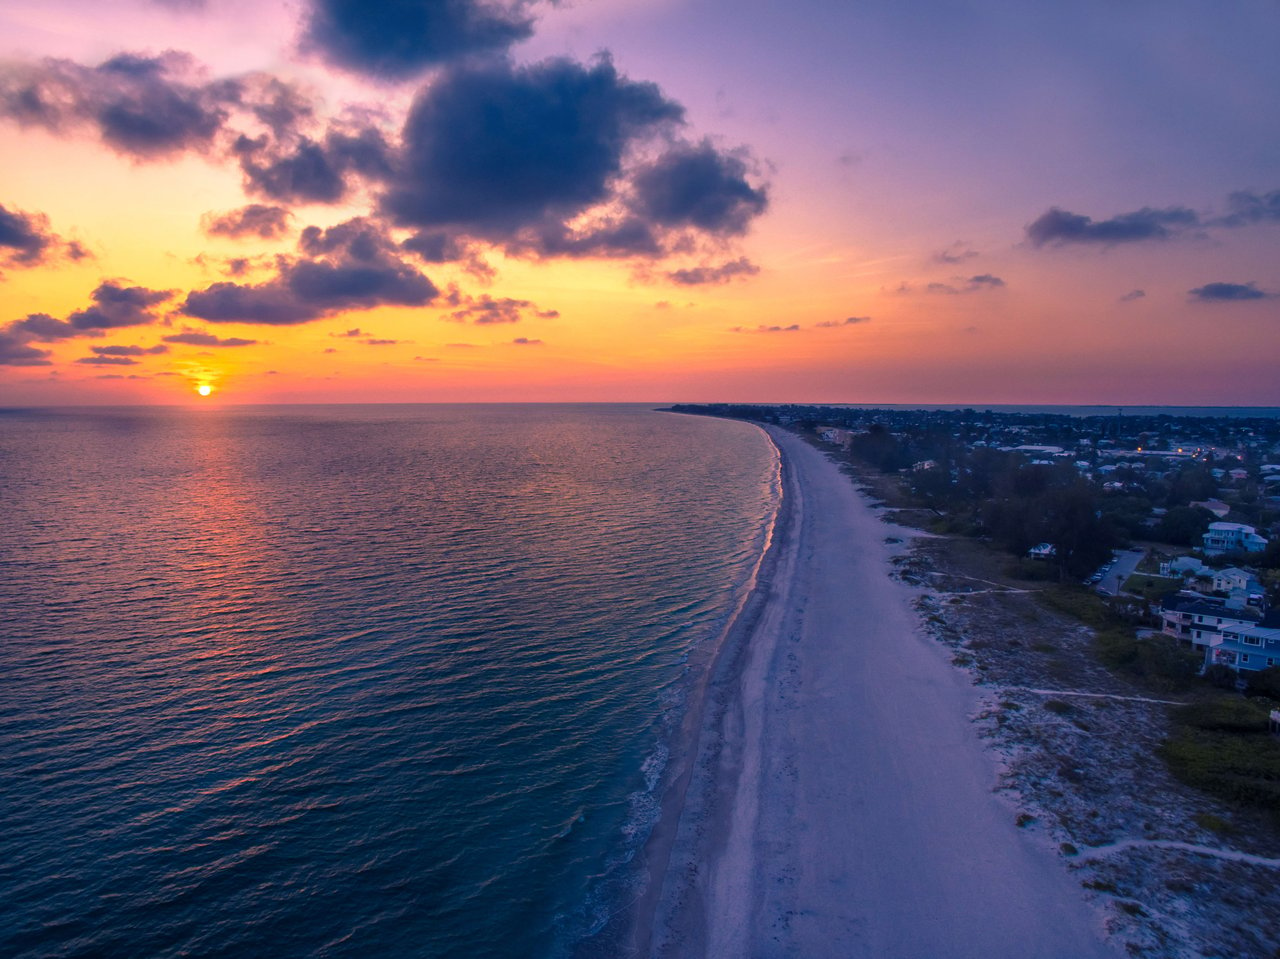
(835, 799)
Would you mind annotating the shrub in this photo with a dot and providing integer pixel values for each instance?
(1057, 706)
(1265, 682)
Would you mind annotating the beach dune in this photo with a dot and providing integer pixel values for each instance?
(834, 799)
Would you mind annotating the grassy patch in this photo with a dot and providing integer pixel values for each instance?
(1151, 588)
(1215, 824)
(1222, 747)
(1158, 662)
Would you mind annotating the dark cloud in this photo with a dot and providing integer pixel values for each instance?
(1227, 292)
(27, 240)
(957, 252)
(763, 328)
(1248, 207)
(116, 306)
(256, 219)
(434, 247)
(492, 149)
(525, 341)
(986, 280)
(107, 361)
(982, 281)
(487, 309)
(1133, 295)
(303, 170)
(130, 350)
(699, 187)
(351, 266)
(197, 338)
(376, 342)
(24, 236)
(723, 273)
(43, 327)
(351, 334)
(15, 350)
(847, 321)
(1057, 226)
(146, 107)
(396, 39)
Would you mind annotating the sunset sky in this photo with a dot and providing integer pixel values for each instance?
(640, 200)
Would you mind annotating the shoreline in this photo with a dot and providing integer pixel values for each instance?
(705, 709)
(829, 795)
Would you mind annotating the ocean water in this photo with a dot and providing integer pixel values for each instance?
(350, 681)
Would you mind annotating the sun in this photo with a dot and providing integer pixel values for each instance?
(204, 389)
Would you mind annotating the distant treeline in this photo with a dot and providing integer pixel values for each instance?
(951, 462)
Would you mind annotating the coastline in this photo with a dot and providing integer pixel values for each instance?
(829, 794)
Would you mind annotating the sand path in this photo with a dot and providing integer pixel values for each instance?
(839, 802)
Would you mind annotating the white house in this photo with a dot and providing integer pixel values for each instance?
(1197, 620)
(1231, 578)
(1232, 538)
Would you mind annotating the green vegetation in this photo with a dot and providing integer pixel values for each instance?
(1223, 747)
(1151, 588)
(1265, 682)
(1214, 824)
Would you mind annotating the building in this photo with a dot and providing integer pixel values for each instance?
(1196, 620)
(1246, 648)
(1232, 538)
(1042, 551)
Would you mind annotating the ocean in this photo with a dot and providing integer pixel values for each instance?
(351, 681)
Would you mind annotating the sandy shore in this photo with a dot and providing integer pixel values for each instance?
(835, 799)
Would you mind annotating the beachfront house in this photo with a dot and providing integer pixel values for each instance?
(1246, 648)
(1188, 567)
(1232, 538)
(1042, 551)
(1195, 620)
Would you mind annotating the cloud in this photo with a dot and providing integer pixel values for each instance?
(116, 306)
(1133, 295)
(982, 281)
(699, 187)
(847, 321)
(130, 350)
(107, 361)
(1248, 207)
(1059, 227)
(525, 341)
(763, 328)
(491, 149)
(957, 252)
(142, 106)
(376, 342)
(256, 219)
(15, 350)
(197, 338)
(504, 309)
(1227, 292)
(350, 266)
(723, 273)
(303, 170)
(43, 327)
(351, 334)
(27, 240)
(397, 39)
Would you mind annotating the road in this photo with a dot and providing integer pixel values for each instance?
(1125, 563)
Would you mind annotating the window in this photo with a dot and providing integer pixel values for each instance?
(1244, 657)
(1252, 640)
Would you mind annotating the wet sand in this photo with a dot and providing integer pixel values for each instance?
(833, 798)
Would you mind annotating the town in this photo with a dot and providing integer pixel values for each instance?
(1178, 514)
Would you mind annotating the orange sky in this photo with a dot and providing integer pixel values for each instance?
(877, 172)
